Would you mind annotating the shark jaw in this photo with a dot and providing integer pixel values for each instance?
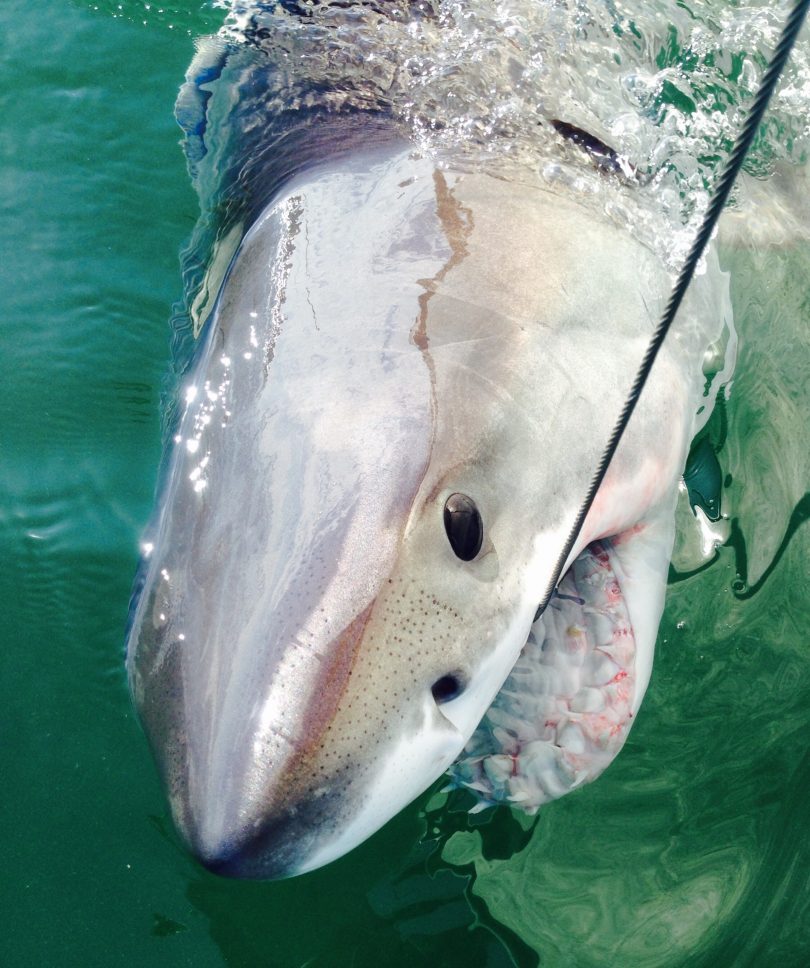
(565, 711)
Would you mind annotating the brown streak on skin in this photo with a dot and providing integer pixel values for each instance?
(457, 223)
(299, 777)
(333, 680)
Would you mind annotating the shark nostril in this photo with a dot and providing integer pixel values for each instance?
(447, 688)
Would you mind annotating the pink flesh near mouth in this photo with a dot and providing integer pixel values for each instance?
(567, 707)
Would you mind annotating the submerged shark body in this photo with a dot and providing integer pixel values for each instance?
(405, 384)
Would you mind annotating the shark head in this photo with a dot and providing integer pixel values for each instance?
(398, 403)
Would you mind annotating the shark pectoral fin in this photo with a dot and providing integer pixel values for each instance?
(565, 711)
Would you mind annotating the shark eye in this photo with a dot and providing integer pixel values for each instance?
(446, 689)
(462, 522)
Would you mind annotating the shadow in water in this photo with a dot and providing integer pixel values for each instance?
(393, 901)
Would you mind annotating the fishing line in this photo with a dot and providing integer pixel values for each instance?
(744, 139)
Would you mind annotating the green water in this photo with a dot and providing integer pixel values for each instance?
(694, 849)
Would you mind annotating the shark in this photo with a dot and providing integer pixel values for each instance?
(408, 371)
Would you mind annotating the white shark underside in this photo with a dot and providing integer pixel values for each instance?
(391, 333)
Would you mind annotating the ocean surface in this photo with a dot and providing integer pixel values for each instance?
(693, 849)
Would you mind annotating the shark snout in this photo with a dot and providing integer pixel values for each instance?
(298, 768)
(306, 817)
(269, 847)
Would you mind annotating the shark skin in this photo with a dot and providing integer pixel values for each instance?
(389, 333)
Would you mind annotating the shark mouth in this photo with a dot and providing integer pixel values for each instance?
(568, 704)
